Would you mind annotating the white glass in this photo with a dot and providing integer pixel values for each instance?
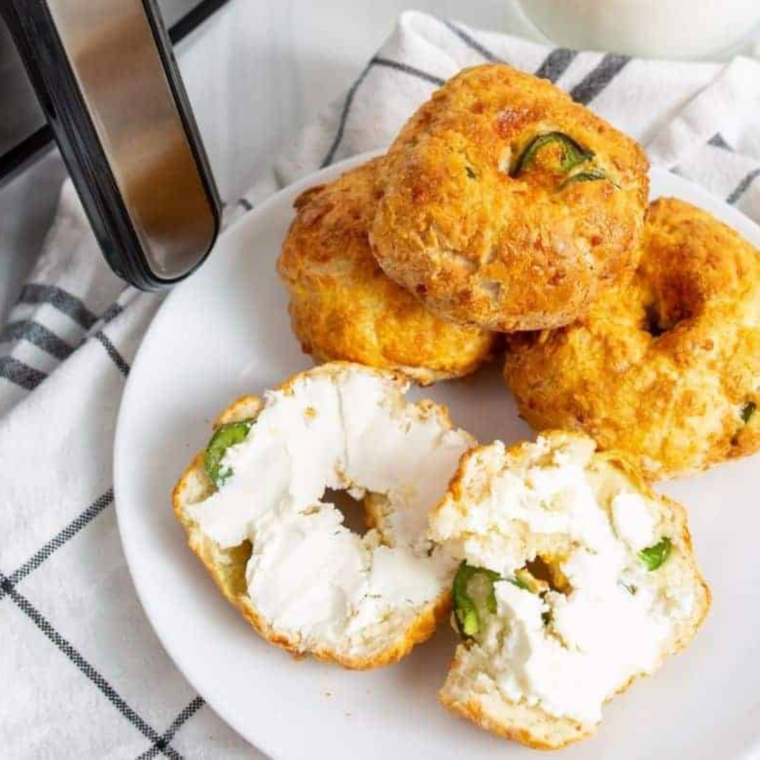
(650, 28)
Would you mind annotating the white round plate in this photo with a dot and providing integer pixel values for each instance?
(226, 332)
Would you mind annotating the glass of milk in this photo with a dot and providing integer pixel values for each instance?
(649, 28)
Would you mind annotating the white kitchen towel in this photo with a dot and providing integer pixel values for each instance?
(82, 673)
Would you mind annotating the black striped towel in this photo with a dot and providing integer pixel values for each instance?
(81, 671)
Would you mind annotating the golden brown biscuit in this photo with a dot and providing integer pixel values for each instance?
(507, 205)
(665, 366)
(342, 306)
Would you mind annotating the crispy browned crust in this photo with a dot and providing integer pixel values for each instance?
(227, 566)
(485, 248)
(342, 306)
(475, 711)
(673, 400)
(531, 725)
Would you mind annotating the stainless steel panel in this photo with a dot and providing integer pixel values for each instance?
(20, 115)
(112, 52)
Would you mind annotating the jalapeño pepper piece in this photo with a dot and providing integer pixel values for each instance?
(225, 436)
(466, 611)
(573, 153)
(655, 556)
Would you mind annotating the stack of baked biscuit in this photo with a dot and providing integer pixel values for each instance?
(503, 207)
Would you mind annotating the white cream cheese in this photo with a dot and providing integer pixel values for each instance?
(309, 575)
(569, 652)
(597, 640)
(634, 523)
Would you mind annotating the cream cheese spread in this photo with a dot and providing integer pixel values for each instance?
(309, 576)
(566, 652)
(633, 521)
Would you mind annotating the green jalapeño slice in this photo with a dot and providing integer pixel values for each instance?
(573, 153)
(467, 608)
(655, 556)
(225, 436)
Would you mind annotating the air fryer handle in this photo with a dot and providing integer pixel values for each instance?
(108, 83)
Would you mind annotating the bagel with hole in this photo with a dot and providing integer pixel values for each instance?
(508, 206)
(666, 366)
(256, 512)
(343, 307)
(575, 579)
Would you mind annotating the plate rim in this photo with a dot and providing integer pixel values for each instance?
(729, 215)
